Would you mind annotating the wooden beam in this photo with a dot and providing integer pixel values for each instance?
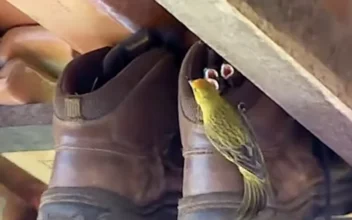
(24, 115)
(78, 22)
(26, 140)
(12, 17)
(26, 128)
(20, 182)
(306, 79)
(90, 24)
(135, 14)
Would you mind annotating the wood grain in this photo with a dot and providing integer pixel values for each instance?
(321, 105)
(315, 33)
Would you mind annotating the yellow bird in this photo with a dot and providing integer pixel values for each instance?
(228, 130)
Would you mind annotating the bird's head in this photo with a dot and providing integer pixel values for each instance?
(204, 90)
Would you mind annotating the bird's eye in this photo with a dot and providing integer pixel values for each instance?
(210, 73)
(214, 83)
(226, 71)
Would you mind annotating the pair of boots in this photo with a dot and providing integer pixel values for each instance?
(118, 116)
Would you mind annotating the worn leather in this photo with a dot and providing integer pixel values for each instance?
(120, 145)
(97, 204)
(295, 172)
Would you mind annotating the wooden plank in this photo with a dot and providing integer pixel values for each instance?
(26, 139)
(315, 33)
(12, 17)
(318, 103)
(136, 13)
(22, 115)
(91, 24)
(78, 22)
(26, 128)
(37, 163)
(20, 182)
(13, 207)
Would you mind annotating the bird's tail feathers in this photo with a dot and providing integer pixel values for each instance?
(255, 198)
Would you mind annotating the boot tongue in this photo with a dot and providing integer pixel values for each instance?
(82, 75)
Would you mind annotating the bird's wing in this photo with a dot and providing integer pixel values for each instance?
(228, 153)
(246, 156)
(242, 112)
(252, 160)
(251, 157)
(245, 152)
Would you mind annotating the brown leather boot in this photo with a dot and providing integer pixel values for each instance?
(112, 140)
(212, 187)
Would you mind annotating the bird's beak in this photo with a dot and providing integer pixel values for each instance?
(190, 82)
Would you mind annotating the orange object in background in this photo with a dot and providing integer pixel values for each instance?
(91, 24)
(11, 17)
(20, 84)
(14, 208)
(136, 14)
(78, 22)
(31, 59)
(38, 47)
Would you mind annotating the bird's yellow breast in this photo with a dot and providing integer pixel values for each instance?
(225, 125)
